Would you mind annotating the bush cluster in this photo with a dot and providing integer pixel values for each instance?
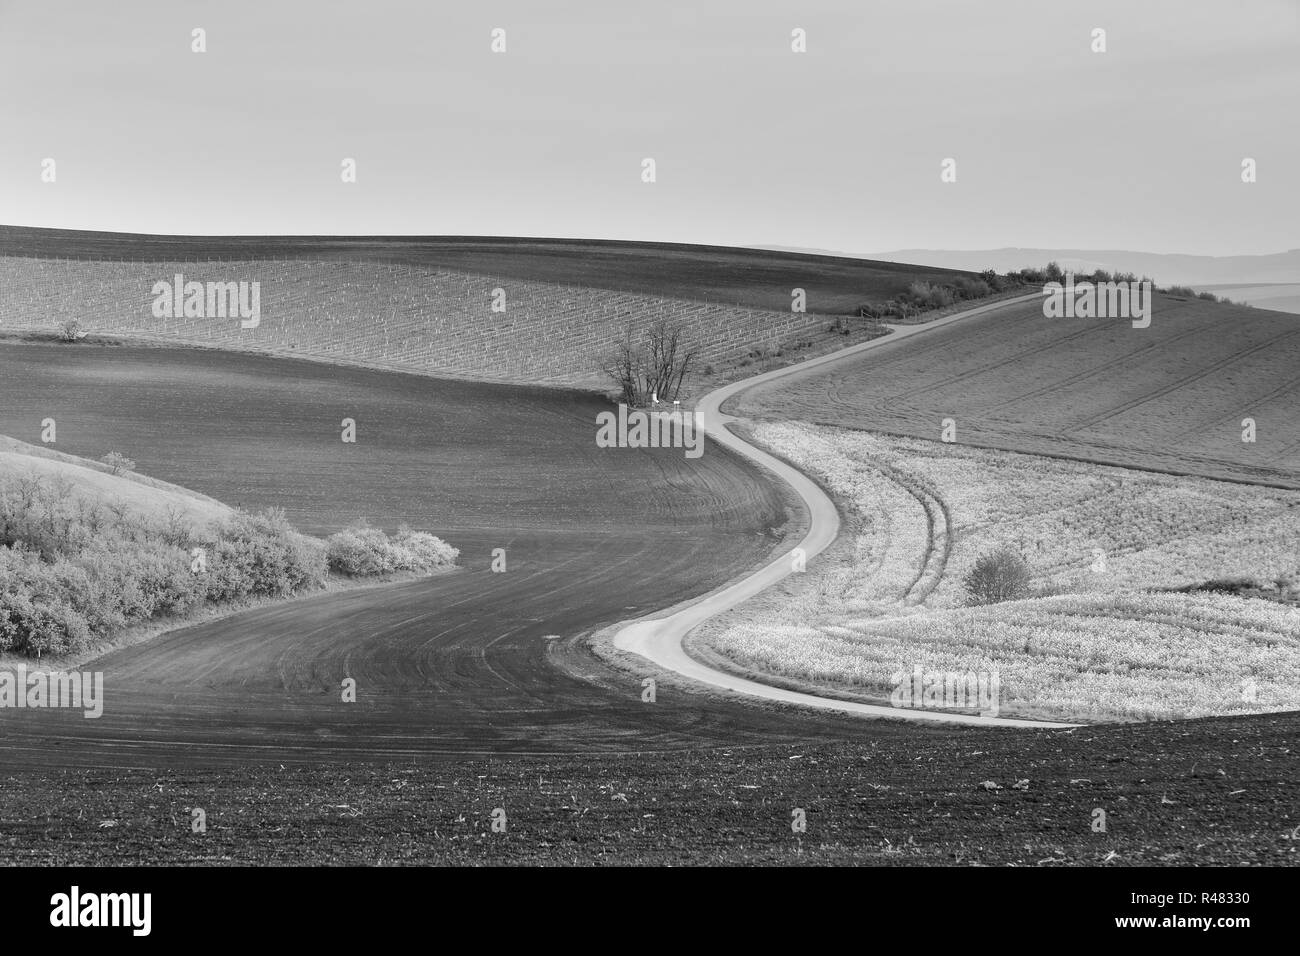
(921, 295)
(74, 571)
(363, 551)
(1054, 273)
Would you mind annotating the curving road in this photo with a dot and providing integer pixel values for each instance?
(660, 639)
(460, 664)
(463, 664)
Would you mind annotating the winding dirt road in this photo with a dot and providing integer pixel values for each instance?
(452, 665)
(660, 639)
(461, 664)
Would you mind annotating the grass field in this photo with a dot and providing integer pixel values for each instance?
(95, 481)
(1172, 396)
(1106, 638)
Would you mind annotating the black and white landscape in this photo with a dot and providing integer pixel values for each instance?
(439, 436)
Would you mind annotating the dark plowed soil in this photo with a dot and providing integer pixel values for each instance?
(1205, 792)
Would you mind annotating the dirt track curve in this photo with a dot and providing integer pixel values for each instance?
(659, 639)
(463, 664)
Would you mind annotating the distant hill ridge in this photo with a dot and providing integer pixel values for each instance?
(1165, 268)
(752, 278)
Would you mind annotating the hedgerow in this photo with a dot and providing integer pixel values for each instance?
(75, 571)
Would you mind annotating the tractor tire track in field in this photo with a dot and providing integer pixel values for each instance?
(1067, 397)
(965, 376)
(938, 539)
(1197, 376)
(1089, 372)
(1206, 425)
(1284, 456)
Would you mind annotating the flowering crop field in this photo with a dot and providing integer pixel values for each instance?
(1104, 637)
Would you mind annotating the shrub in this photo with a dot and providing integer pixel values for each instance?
(430, 552)
(973, 288)
(72, 570)
(930, 295)
(41, 515)
(362, 551)
(166, 583)
(118, 463)
(359, 551)
(261, 555)
(71, 331)
(40, 627)
(1238, 584)
(1001, 575)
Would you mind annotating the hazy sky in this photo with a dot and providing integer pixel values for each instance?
(837, 148)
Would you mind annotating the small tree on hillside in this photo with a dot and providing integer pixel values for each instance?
(118, 463)
(1001, 575)
(71, 331)
(656, 366)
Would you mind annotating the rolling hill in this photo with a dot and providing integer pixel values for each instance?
(751, 278)
(92, 481)
(1172, 397)
(394, 315)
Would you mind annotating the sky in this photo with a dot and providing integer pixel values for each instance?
(838, 148)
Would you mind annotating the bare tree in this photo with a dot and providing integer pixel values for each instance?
(623, 367)
(655, 367)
